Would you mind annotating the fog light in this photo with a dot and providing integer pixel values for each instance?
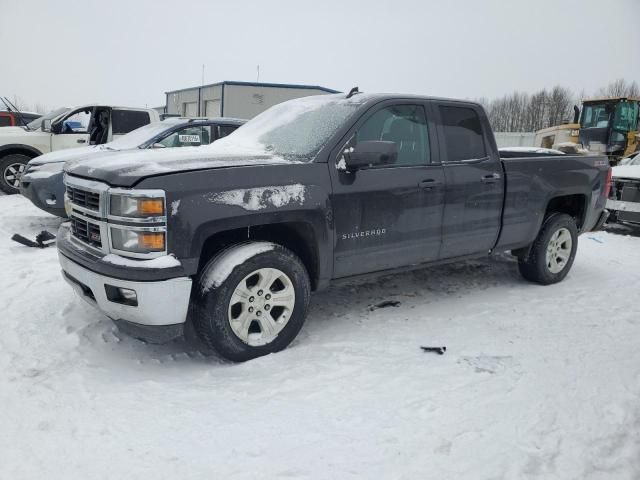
(123, 296)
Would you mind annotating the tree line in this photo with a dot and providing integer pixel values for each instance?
(525, 112)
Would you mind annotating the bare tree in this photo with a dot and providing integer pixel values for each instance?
(619, 88)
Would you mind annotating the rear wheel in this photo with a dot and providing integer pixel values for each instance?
(12, 167)
(552, 253)
(250, 300)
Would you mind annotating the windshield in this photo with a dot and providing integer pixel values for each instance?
(139, 136)
(626, 117)
(596, 115)
(35, 124)
(296, 129)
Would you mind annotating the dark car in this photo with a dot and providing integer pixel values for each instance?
(229, 242)
(42, 181)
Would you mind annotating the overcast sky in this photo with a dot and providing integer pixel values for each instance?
(69, 52)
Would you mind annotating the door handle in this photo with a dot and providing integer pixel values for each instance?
(81, 140)
(429, 183)
(491, 178)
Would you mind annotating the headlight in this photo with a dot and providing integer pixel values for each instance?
(135, 241)
(575, 133)
(130, 206)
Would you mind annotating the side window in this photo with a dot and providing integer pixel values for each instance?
(77, 122)
(125, 121)
(462, 134)
(188, 137)
(5, 121)
(224, 130)
(406, 125)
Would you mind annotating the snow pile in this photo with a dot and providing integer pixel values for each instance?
(166, 261)
(224, 265)
(537, 382)
(258, 198)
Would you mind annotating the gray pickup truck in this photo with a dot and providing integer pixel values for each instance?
(229, 240)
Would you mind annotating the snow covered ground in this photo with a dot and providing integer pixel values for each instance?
(537, 382)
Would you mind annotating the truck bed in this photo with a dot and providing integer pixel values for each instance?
(531, 184)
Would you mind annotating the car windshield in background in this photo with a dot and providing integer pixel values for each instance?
(35, 124)
(296, 129)
(139, 136)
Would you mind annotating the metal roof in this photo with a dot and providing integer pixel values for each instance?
(257, 84)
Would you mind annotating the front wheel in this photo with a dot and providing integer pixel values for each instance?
(12, 167)
(250, 300)
(552, 253)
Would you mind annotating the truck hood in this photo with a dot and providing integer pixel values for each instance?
(70, 154)
(20, 135)
(626, 171)
(128, 167)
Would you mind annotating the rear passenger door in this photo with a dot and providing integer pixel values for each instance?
(389, 215)
(125, 121)
(474, 184)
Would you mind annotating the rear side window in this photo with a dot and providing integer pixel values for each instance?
(5, 121)
(125, 121)
(462, 134)
(189, 137)
(225, 130)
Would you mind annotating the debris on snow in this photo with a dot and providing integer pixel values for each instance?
(43, 240)
(385, 304)
(438, 350)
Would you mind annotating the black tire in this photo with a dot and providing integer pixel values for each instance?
(6, 163)
(535, 267)
(210, 306)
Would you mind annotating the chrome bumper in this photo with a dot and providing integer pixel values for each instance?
(159, 303)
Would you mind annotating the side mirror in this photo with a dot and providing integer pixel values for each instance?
(45, 126)
(369, 154)
(158, 145)
(55, 127)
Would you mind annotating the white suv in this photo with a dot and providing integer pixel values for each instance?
(62, 129)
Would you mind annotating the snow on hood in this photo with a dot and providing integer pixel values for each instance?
(626, 171)
(126, 167)
(12, 130)
(20, 132)
(66, 155)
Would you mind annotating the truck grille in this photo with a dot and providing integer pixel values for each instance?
(84, 198)
(87, 232)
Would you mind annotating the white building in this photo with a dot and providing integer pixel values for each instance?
(235, 99)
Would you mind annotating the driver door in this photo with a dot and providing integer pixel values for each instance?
(390, 215)
(72, 131)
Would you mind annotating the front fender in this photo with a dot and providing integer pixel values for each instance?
(203, 204)
(19, 148)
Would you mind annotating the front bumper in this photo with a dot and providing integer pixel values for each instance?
(159, 303)
(622, 206)
(45, 192)
(624, 211)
